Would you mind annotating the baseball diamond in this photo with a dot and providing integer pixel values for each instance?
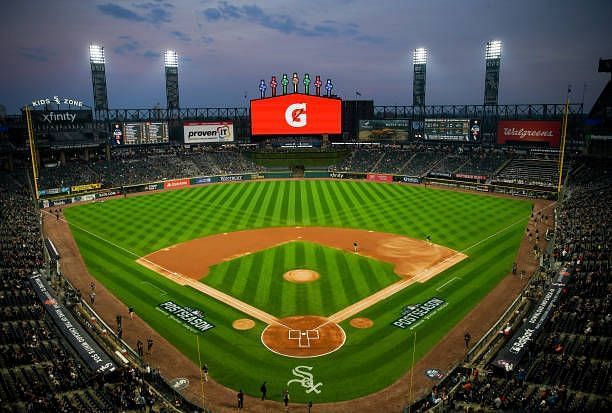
(224, 249)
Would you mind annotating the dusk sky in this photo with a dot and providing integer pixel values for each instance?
(226, 47)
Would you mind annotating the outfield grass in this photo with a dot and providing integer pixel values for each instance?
(111, 235)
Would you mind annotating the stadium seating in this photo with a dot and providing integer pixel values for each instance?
(567, 367)
(38, 370)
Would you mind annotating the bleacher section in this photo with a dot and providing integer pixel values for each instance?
(529, 171)
(39, 372)
(422, 162)
(567, 366)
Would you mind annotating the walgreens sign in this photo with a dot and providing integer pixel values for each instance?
(529, 131)
(207, 132)
(296, 114)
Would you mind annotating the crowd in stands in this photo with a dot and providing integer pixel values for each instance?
(39, 371)
(568, 365)
(423, 160)
(129, 166)
(137, 165)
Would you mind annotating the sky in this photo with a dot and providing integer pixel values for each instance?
(225, 47)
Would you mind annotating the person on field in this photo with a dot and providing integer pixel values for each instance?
(467, 337)
(131, 312)
(240, 397)
(264, 390)
(286, 398)
(205, 372)
(355, 246)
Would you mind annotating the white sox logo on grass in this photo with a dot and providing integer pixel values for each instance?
(412, 315)
(306, 379)
(191, 318)
(295, 115)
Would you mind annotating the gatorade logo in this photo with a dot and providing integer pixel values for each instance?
(295, 115)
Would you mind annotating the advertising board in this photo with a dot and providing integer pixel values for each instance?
(296, 114)
(208, 132)
(531, 131)
(177, 183)
(379, 177)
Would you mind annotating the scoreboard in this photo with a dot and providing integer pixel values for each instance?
(140, 133)
(467, 130)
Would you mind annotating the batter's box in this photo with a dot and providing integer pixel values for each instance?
(303, 337)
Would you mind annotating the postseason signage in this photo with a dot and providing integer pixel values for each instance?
(190, 318)
(208, 132)
(78, 338)
(511, 354)
(544, 131)
(296, 114)
(413, 315)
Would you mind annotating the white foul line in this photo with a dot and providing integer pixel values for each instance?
(448, 282)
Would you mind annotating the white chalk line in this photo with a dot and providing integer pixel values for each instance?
(448, 282)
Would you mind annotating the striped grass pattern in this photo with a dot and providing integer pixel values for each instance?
(111, 235)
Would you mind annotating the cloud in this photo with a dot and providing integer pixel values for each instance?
(285, 23)
(130, 46)
(155, 13)
(183, 37)
(151, 54)
(119, 12)
(206, 39)
(212, 14)
(36, 54)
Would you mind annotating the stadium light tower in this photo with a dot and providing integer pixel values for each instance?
(172, 93)
(419, 58)
(98, 76)
(493, 51)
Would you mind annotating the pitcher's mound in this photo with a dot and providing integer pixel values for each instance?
(301, 276)
(243, 324)
(360, 322)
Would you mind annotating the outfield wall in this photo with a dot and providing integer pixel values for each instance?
(312, 174)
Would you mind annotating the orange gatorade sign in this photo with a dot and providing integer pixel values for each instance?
(296, 114)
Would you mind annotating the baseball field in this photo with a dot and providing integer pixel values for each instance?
(317, 286)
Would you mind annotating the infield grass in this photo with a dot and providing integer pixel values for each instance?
(113, 234)
(257, 279)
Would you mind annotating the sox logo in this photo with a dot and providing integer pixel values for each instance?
(305, 378)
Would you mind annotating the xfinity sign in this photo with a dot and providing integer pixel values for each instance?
(55, 117)
(208, 132)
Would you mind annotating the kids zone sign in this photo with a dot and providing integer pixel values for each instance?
(296, 114)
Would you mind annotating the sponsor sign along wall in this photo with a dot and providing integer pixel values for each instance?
(206, 132)
(296, 114)
(177, 183)
(379, 177)
(529, 131)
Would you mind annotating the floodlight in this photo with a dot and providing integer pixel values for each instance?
(96, 54)
(493, 49)
(171, 58)
(420, 56)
